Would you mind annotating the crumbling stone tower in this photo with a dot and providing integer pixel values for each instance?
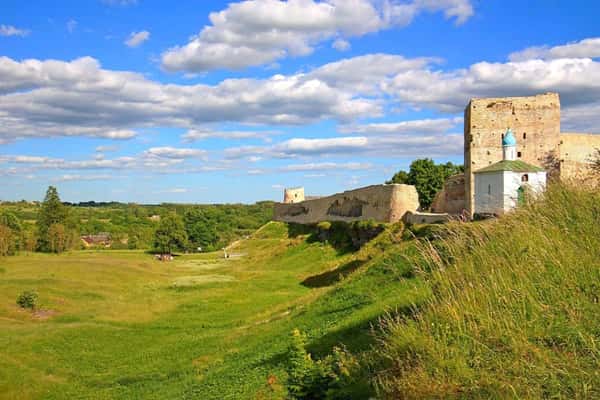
(534, 120)
(293, 195)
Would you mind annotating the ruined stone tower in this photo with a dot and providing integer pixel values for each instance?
(535, 122)
(293, 195)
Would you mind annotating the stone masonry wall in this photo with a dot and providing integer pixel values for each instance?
(534, 120)
(451, 199)
(381, 203)
(576, 150)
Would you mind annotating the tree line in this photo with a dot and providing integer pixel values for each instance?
(56, 226)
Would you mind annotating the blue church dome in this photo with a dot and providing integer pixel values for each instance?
(509, 139)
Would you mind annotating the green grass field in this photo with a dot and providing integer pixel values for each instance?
(505, 308)
(122, 325)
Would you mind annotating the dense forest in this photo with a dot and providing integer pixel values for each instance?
(24, 225)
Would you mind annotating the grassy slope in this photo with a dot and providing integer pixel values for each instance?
(515, 311)
(121, 330)
(505, 309)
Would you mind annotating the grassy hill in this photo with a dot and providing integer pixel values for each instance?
(497, 309)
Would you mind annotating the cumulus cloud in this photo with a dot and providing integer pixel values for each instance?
(397, 145)
(9, 30)
(584, 118)
(70, 178)
(257, 32)
(173, 190)
(577, 81)
(326, 166)
(137, 38)
(587, 48)
(37, 162)
(106, 148)
(341, 45)
(79, 98)
(439, 125)
(193, 135)
(175, 153)
(57, 98)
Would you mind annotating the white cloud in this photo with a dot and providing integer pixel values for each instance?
(79, 98)
(70, 178)
(577, 81)
(45, 163)
(429, 126)
(106, 149)
(587, 48)
(193, 135)
(326, 166)
(584, 118)
(71, 25)
(175, 153)
(9, 30)
(137, 38)
(257, 32)
(174, 190)
(391, 145)
(341, 45)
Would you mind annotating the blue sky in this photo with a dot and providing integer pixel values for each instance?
(152, 101)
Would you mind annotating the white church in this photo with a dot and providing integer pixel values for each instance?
(502, 186)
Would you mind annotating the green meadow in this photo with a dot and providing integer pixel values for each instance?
(118, 324)
(504, 308)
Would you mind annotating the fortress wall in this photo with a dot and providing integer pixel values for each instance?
(293, 195)
(382, 203)
(534, 120)
(451, 199)
(576, 149)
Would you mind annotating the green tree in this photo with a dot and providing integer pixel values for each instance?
(428, 178)
(10, 220)
(170, 234)
(52, 212)
(58, 238)
(7, 242)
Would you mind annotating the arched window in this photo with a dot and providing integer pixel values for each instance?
(525, 178)
(524, 135)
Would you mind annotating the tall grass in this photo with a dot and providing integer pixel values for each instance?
(515, 310)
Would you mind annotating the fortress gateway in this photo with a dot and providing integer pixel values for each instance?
(535, 124)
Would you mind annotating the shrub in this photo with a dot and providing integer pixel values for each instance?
(27, 299)
(329, 378)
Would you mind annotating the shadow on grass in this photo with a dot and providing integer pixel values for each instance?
(328, 278)
(342, 243)
(357, 337)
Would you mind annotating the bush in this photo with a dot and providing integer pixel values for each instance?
(27, 299)
(329, 378)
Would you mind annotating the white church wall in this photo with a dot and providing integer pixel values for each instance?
(535, 184)
(488, 193)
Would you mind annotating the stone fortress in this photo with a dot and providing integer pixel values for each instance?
(535, 122)
(383, 203)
